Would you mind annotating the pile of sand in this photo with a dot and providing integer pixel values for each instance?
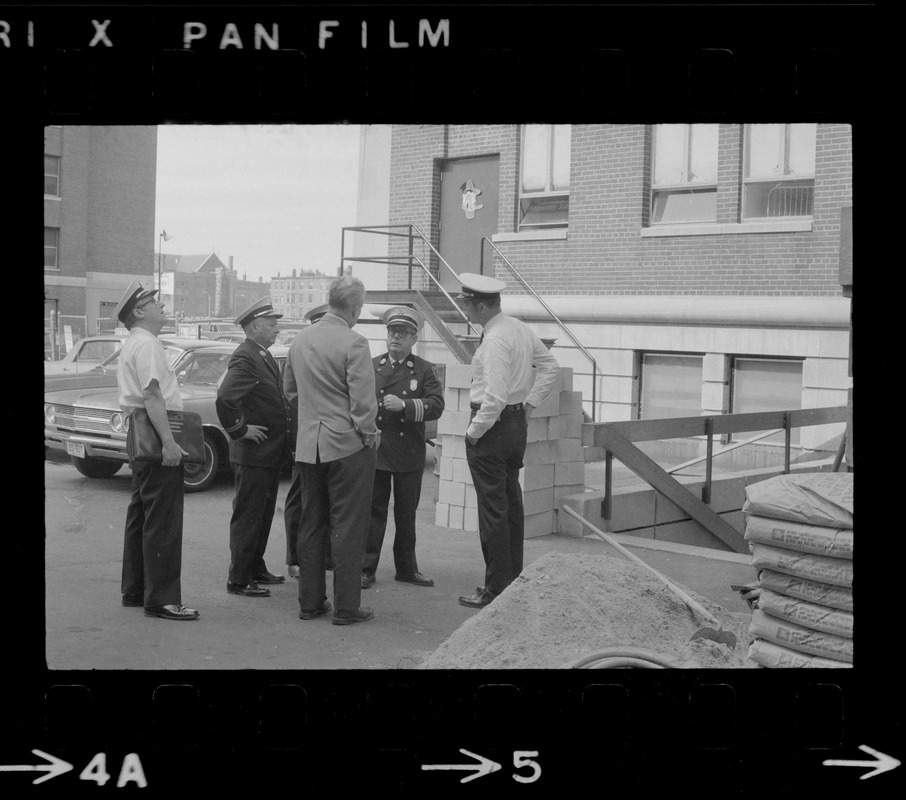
(563, 607)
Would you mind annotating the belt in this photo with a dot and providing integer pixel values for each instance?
(513, 407)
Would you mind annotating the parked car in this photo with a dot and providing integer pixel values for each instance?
(85, 354)
(104, 374)
(89, 425)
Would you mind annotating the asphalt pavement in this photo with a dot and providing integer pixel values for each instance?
(88, 628)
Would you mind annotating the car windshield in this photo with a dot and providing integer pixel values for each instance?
(202, 368)
(173, 354)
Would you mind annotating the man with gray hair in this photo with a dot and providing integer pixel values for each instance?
(330, 379)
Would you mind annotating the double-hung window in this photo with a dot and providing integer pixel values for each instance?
(52, 176)
(51, 248)
(684, 183)
(779, 170)
(544, 178)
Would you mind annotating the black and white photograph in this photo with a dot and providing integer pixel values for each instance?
(401, 362)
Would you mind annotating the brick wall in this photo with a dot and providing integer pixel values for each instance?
(610, 184)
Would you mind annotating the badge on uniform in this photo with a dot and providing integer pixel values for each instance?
(413, 384)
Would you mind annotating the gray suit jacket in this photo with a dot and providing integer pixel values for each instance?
(329, 377)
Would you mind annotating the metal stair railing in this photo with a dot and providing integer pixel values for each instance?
(563, 327)
(413, 233)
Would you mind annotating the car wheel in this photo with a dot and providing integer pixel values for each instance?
(92, 467)
(199, 477)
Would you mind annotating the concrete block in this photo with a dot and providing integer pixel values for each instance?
(455, 422)
(446, 467)
(538, 476)
(454, 445)
(571, 426)
(569, 450)
(451, 399)
(471, 499)
(538, 500)
(540, 453)
(565, 491)
(571, 403)
(470, 519)
(537, 429)
(459, 376)
(553, 427)
(451, 492)
(541, 524)
(549, 407)
(461, 472)
(463, 404)
(442, 515)
(455, 518)
(564, 382)
(569, 473)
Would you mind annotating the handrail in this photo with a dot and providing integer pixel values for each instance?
(589, 356)
(390, 230)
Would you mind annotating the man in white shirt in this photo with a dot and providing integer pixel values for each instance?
(152, 549)
(504, 393)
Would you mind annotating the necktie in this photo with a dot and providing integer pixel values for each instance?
(395, 363)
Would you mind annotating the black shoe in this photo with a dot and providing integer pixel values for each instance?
(318, 612)
(248, 590)
(172, 611)
(133, 600)
(348, 617)
(367, 580)
(417, 578)
(268, 577)
(477, 600)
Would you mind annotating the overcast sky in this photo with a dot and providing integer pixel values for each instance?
(275, 197)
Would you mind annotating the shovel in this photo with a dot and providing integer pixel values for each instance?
(713, 631)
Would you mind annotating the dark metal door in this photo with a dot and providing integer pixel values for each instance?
(468, 211)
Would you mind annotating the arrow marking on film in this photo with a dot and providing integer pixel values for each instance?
(882, 762)
(57, 766)
(486, 767)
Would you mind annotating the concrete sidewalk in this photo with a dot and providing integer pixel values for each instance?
(87, 628)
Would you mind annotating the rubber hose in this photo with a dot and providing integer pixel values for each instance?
(621, 651)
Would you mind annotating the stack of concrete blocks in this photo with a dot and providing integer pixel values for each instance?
(554, 463)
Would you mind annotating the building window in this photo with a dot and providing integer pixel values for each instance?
(52, 175)
(779, 170)
(544, 183)
(684, 187)
(764, 384)
(670, 386)
(51, 247)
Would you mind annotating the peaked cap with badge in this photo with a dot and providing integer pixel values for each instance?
(260, 308)
(134, 295)
(479, 287)
(314, 314)
(403, 315)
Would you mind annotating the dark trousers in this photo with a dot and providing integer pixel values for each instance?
(407, 490)
(250, 525)
(336, 506)
(292, 515)
(152, 545)
(495, 461)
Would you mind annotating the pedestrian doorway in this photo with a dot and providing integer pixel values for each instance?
(468, 211)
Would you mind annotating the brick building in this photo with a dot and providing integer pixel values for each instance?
(99, 195)
(697, 264)
(293, 295)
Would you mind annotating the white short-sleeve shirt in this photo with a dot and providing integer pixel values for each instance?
(142, 360)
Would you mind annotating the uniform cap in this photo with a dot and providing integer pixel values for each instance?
(479, 286)
(314, 314)
(260, 308)
(403, 315)
(132, 297)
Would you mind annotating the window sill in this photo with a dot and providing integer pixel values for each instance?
(530, 236)
(715, 229)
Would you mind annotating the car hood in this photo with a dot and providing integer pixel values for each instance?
(109, 398)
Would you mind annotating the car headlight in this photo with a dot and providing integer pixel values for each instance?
(116, 422)
(50, 413)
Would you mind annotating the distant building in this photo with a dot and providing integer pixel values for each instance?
(99, 195)
(293, 295)
(203, 286)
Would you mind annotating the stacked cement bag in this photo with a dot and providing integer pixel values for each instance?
(800, 532)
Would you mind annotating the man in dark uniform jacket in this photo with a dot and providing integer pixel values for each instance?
(253, 411)
(409, 394)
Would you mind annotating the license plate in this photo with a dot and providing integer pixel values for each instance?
(75, 449)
